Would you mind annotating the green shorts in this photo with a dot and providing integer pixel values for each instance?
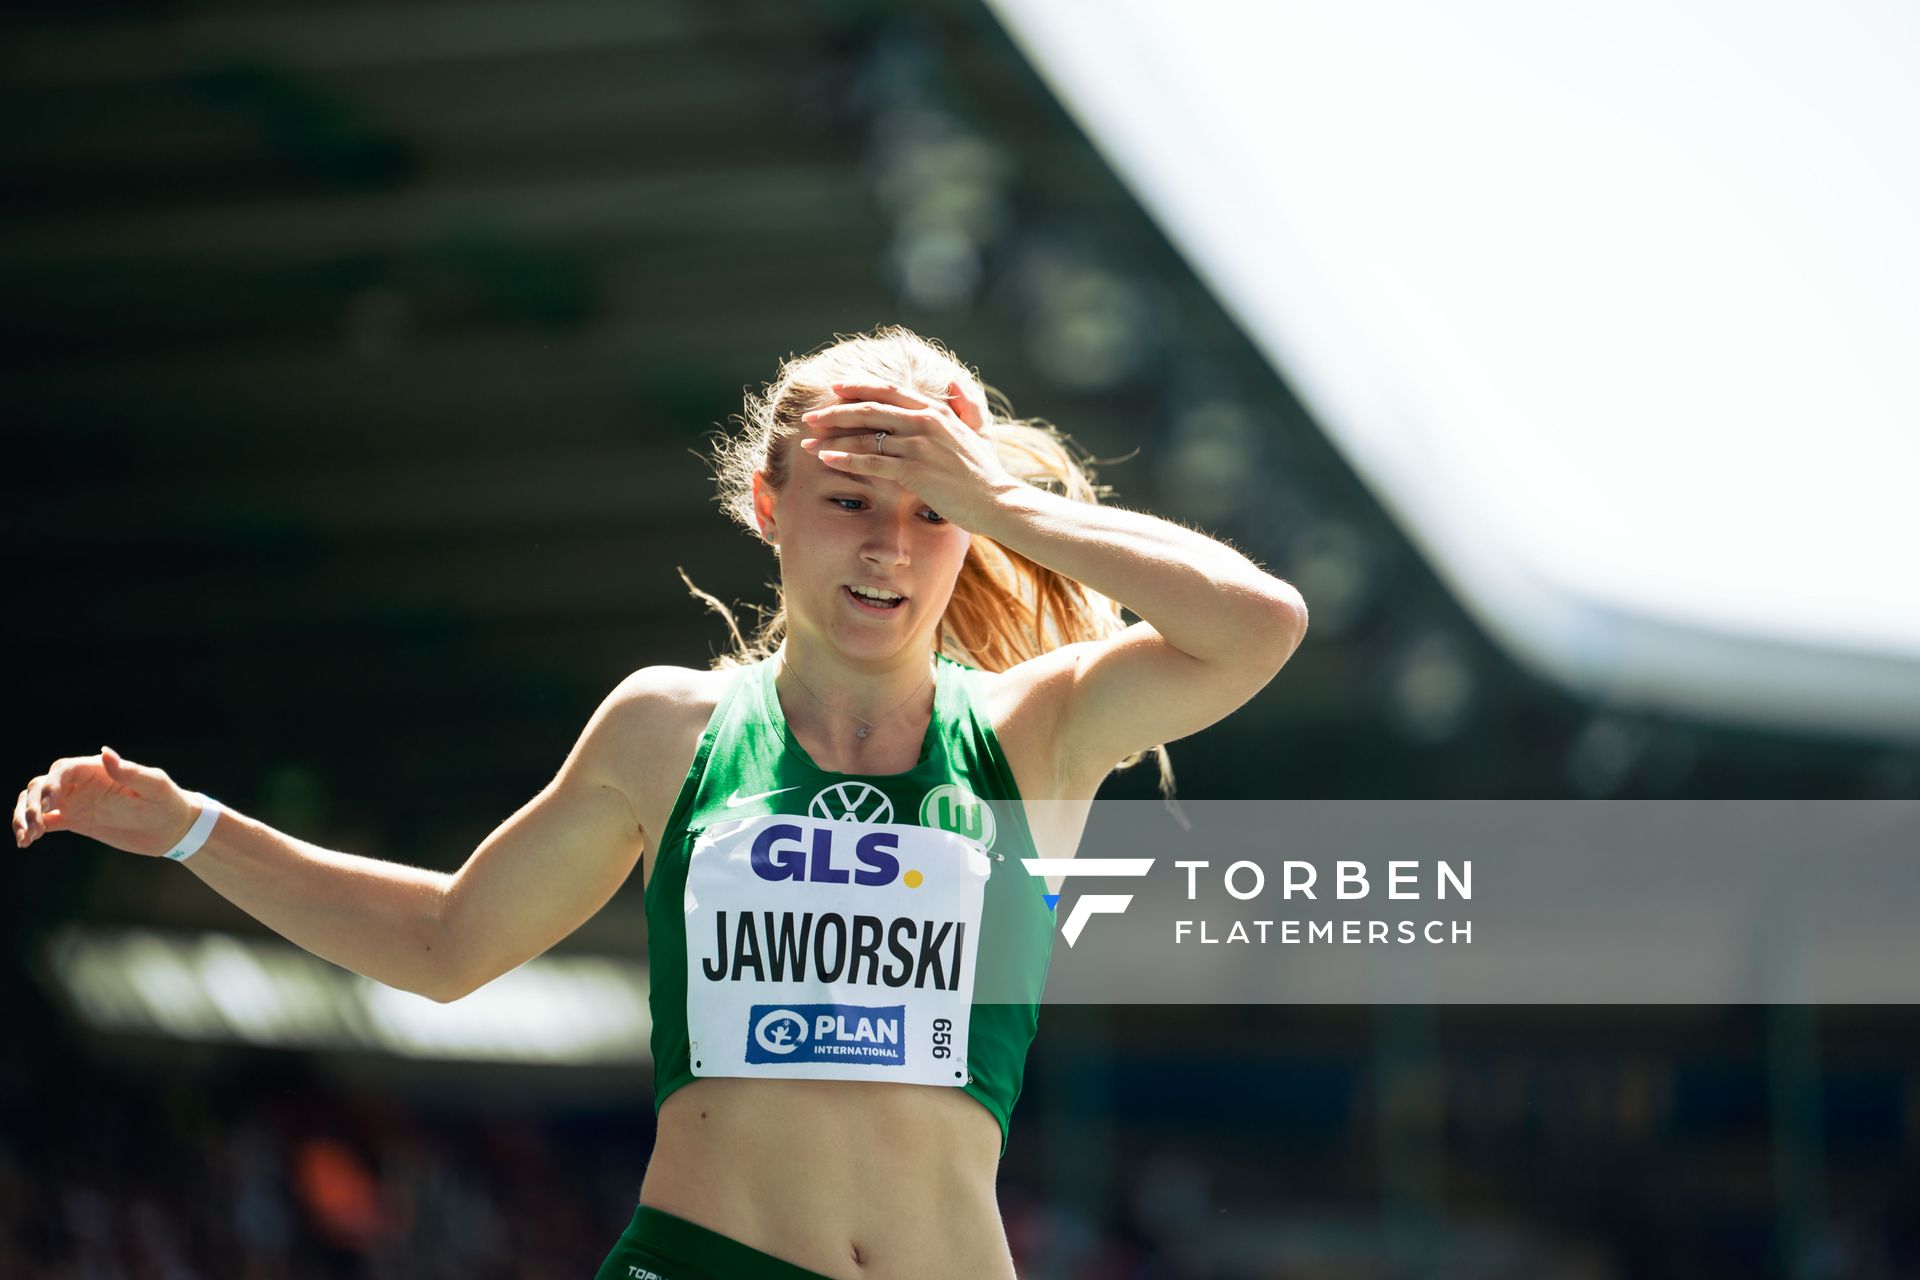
(659, 1246)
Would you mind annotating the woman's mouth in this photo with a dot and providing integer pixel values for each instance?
(874, 599)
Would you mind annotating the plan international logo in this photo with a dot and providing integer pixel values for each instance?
(826, 1033)
(1090, 904)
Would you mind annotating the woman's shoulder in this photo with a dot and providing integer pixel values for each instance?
(660, 713)
(663, 690)
(662, 707)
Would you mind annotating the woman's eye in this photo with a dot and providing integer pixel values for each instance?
(860, 504)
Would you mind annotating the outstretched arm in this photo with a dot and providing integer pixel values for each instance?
(540, 875)
(378, 918)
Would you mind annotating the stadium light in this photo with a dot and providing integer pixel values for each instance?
(219, 988)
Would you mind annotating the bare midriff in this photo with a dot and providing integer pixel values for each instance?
(854, 1180)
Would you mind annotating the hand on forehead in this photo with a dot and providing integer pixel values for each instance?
(882, 406)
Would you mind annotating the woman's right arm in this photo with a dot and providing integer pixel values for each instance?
(535, 879)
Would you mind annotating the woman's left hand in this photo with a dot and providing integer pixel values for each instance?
(935, 449)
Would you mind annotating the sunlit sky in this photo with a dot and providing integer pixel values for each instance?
(1615, 305)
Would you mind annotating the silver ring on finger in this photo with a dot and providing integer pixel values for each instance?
(880, 443)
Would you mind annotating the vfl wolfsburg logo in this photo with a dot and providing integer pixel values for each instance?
(851, 802)
(954, 808)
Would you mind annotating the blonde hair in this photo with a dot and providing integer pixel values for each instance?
(1005, 608)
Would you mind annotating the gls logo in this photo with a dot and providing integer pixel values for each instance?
(789, 851)
(1090, 904)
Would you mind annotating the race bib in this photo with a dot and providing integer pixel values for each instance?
(831, 950)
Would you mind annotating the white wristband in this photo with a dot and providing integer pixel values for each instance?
(202, 827)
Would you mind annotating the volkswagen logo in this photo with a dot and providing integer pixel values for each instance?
(851, 802)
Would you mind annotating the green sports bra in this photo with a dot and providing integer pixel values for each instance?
(815, 925)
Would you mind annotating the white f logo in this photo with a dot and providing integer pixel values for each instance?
(1091, 904)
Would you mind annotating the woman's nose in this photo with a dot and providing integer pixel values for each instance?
(885, 547)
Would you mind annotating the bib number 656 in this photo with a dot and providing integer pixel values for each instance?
(943, 1037)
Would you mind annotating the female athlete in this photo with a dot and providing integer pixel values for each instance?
(830, 822)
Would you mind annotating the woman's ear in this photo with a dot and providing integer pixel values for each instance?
(763, 509)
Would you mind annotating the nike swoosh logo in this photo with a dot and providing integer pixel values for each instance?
(735, 800)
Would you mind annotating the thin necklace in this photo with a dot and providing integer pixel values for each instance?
(866, 726)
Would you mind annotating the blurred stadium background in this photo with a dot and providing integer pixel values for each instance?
(357, 361)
